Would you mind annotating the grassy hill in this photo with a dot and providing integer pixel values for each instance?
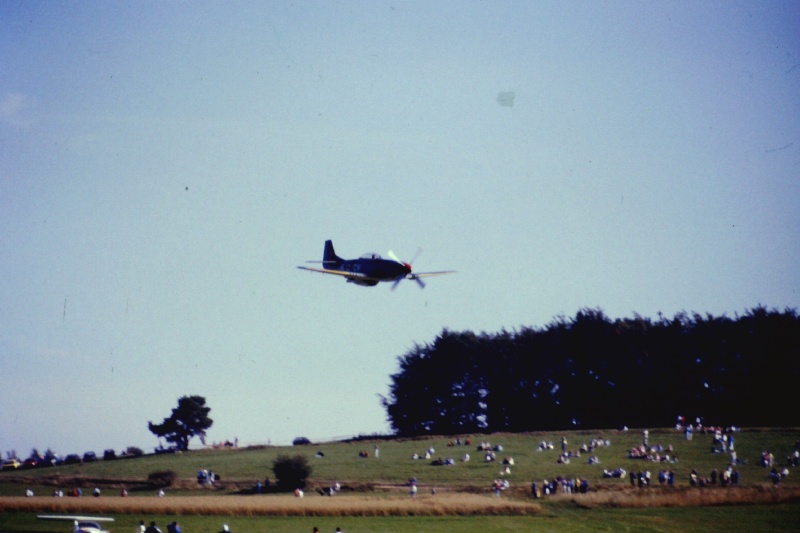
(341, 461)
(462, 503)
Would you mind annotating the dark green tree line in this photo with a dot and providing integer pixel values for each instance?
(594, 372)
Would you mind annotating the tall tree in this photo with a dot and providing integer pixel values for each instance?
(187, 420)
(592, 372)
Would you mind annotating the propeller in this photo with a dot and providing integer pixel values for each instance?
(409, 269)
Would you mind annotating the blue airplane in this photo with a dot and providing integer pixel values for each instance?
(370, 269)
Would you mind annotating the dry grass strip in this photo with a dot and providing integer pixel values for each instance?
(345, 505)
(686, 497)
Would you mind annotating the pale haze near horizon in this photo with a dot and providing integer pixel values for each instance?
(164, 166)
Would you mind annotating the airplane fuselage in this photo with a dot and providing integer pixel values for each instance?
(371, 270)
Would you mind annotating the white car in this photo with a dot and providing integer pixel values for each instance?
(11, 464)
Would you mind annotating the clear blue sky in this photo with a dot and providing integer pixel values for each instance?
(164, 166)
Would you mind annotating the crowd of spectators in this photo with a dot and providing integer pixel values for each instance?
(616, 473)
(728, 477)
(640, 479)
(206, 477)
(766, 459)
(499, 485)
(427, 455)
(722, 441)
(656, 453)
(559, 484)
(776, 475)
(794, 458)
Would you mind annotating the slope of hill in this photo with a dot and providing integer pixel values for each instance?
(356, 466)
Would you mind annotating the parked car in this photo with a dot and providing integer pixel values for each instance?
(89, 457)
(30, 462)
(72, 458)
(168, 449)
(49, 461)
(11, 464)
(109, 455)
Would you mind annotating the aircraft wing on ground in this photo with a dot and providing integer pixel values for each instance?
(83, 524)
(74, 517)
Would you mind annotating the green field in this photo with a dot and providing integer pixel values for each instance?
(777, 518)
(394, 465)
(384, 476)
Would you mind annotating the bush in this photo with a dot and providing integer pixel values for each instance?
(291, 472)
(162, 479)
(299, 441)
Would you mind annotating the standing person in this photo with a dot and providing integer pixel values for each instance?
(141, 527)
(152, 528)
(413, 492)
(377, 451)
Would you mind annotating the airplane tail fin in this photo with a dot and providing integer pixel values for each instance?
(329, 258)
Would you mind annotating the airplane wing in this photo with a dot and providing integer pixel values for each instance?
(343, 273)
(431, 274)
